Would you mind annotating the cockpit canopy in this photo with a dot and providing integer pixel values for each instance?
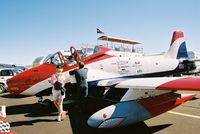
(62, 57)
(54, 59)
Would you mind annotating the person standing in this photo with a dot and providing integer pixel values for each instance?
(81, 81)
(76, 111)
(58, 82)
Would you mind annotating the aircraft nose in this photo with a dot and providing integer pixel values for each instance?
(119, 114)
(18, 83)
(99, 117)
(29, 78)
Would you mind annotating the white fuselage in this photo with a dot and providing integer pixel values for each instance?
(124, 64)
(121, 64)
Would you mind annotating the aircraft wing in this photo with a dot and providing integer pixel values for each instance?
(162, 83)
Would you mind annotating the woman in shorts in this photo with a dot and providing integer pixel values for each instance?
(57, 96)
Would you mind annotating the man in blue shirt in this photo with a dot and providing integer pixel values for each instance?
(76, 111)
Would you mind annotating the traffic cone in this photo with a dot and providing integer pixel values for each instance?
(2, 112)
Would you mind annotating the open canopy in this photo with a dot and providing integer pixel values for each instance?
(118, 40)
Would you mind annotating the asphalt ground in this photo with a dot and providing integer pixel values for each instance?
(26, 116)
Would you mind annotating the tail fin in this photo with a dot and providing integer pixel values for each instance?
(178, 48)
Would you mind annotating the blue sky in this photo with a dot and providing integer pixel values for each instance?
(32, 28)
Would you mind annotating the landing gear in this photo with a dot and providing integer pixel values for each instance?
(40, 100)
(46, 102)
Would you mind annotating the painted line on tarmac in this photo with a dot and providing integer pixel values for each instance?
(186, 115)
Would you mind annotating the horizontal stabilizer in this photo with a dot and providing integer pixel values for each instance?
(162, 83)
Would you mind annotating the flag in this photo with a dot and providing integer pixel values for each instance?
(99, 31)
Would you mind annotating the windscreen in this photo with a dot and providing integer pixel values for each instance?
(54, 59)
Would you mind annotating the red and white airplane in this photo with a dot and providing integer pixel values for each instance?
(123, 77)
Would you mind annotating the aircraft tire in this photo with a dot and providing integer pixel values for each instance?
(2, 88)
(47, 103)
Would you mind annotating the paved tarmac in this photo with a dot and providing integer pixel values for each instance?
(27, 117)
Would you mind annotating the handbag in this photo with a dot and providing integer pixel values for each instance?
(57, 85)
(62, 90)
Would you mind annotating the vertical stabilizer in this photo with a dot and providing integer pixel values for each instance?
(178, 48)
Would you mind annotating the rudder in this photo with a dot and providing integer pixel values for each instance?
(178, 48)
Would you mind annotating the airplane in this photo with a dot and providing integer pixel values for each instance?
(104, 64)
(114, 75)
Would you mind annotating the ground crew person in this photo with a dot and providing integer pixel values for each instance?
(76, 111)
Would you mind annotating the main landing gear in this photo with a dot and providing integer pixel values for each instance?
(46, 102)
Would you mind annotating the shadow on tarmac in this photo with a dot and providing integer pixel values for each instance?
(29, 122)
(37, 110)
(31, 110)
(8, 95)
(140, 128)
(194, 98)
(157, 128)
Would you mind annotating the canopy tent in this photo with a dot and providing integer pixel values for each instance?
(118, 40)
